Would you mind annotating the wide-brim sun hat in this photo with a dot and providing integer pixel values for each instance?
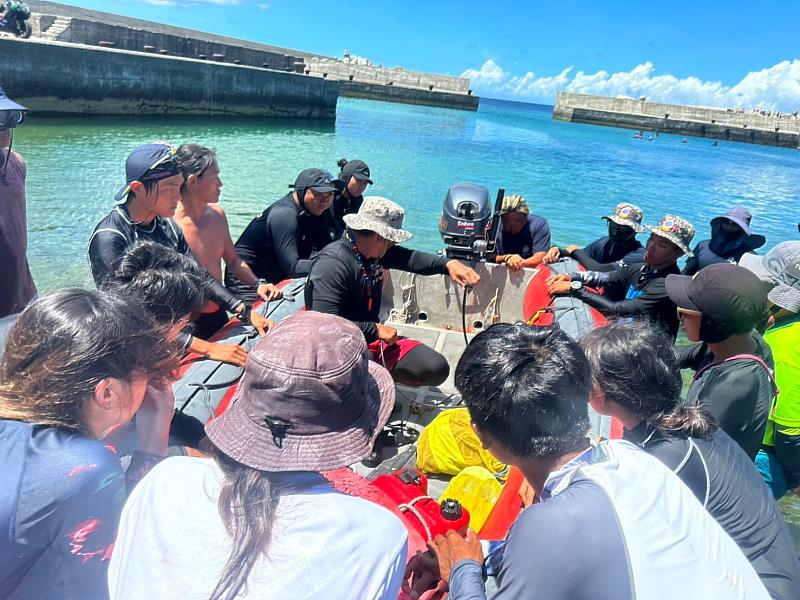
(7, 103)
(381, 216)
(781, 268)
(627, 214)
(677, 230)
(310, 399)
(741, 217)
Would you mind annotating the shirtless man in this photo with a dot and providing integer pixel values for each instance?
(205, 228)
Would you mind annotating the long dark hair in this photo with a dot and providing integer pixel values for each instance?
(634, 365)
(67, 342)
(247, 505)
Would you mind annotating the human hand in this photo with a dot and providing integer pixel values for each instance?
(260, 323)
(559, 287)
(154, 418)
(423, 571)
(526, 493)
(552, 255)
(387, 334)
(571, 249)
(462, 274)
(451, 548)
(513, 262)
(560, 277)
(227, 353)
(268, 292)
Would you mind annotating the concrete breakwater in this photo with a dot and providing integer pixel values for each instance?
(58, 78)
(721, 124)
(87, 29)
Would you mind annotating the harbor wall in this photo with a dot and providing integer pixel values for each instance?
(695, 121)
(62, 23)
(61, 78)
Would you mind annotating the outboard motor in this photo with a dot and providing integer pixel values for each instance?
(468, 226)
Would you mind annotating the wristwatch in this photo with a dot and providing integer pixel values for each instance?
(575, 285)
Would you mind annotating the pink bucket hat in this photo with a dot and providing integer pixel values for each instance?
(310, 399)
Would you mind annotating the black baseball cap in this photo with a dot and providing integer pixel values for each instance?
(357, 169)
(729, 295)
(318, 180)
(148, 162)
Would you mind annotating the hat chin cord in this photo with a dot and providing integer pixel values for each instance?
(7, 158)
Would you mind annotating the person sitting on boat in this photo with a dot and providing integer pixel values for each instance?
(281, 241)
(646, 296)
(779, 456)
(612, 522)
(720, 309)
(258, 515)
(144, 211)
(78, 365)
(731, 238)
(354, 178)
(205, 227)
(346, 279)
(605, 253)
(647, 400)
(521, 235)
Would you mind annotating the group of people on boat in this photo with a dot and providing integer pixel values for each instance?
(106, 491)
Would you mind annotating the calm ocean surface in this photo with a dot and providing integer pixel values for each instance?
(571, 174)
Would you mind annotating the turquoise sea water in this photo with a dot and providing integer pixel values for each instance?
(570, 173)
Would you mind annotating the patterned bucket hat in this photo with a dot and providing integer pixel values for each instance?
(627, 214)
(514, 203)
(382, 216)
(677, 230)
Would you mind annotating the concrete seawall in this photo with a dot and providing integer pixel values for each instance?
(695, 121)
(392, 93)
(59, 78)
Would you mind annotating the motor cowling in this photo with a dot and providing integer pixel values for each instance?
(466, 218)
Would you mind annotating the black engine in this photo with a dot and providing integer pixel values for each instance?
(467, 225)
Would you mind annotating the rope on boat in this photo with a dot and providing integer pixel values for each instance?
(409, 507)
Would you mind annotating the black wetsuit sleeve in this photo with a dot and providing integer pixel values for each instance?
(328, 291)
(414, 261)
(588, 261)
(105, 251)
(692, 264)
(283, 227)
(646, 304)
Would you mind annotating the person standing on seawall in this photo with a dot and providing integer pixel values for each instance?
(205, 227)
(731, 238)
(354, 179)
(720, 308)
(779, 457)
(18, 288)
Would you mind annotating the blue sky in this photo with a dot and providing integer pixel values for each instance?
(712, 52)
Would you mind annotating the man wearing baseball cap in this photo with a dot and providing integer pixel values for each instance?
(18, 288)
(645, 295)
(619, 245)
(731, 237)
(144, 211)
(779, 457)
(353, 180)
(720, 308)
(279, 243)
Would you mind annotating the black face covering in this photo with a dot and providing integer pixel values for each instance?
(620, 234)
(724, 242)
(712, 332)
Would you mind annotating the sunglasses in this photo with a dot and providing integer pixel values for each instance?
(9, 119)
(683, 312)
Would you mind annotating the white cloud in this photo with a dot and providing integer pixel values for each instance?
(773, 88)
(195, 2)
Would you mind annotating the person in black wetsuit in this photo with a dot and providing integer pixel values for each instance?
(646, 295)
(280, 242)
(731, 238)
(145, 205)
(353, 181)
(619, 245)
(637, 380)
(721, 307)
(346, 280)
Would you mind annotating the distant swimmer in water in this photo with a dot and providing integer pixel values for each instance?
(638, 136)
(715, 143)
(684, 141)
(650, 138)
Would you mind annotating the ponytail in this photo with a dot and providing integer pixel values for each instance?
(685, 420)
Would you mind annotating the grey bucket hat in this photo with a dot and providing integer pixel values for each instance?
(315, 405)
(780, 267)
(382, 216)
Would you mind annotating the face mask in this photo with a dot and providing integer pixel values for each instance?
(620, 234)
(723, 242)
(712, 332)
